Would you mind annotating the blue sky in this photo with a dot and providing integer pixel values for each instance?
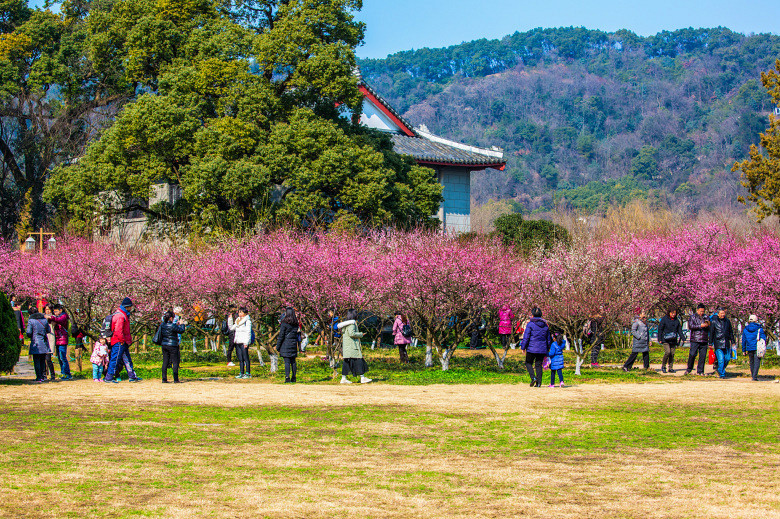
(394, 25)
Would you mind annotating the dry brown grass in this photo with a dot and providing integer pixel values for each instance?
(401, 464)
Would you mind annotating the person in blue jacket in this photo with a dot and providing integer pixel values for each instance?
(750, 336)
(556, 358)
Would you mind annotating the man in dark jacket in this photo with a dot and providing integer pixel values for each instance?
(536, 342)
(669, 335)
(699, 326)
(592, 330)
(721, 338)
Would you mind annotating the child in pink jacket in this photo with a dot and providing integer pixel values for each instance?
(99, 359)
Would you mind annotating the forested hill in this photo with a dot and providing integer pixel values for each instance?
(588, 117)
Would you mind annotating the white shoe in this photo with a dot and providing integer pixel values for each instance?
(345, 380)
(230, 364)
(364, 380)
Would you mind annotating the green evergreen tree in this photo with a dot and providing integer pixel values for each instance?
(10, 345)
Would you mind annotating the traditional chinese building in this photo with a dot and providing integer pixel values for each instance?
(452, 161)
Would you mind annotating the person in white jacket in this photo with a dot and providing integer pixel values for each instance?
(242, 327)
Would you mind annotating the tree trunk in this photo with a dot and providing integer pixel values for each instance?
(445, 358)
(274, 362)
(580, 356)
(194, 347)
(429, 351)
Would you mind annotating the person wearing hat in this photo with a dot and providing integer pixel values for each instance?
(752, 333)
(120, 343)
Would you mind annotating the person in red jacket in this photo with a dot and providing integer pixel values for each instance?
(59, 321)
(120, 344)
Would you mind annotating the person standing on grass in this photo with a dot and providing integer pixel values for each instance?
(170, 333)
(641, 335)
(120, 344)
(505, 319)
(752, 333)
(536, 343)
(99, 359)
(59, 321)
(230, 334)
(721, 338)
(351, 351)
(699, 326)
(401, 325)
(37, 330)
(242, 328)
(51, 342)
(592, 330)
(556, 358)
(669, 335)
(288, 344)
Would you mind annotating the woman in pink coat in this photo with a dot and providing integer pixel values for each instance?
(505, 318)
(400, 339)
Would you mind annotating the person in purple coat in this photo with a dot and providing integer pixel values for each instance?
(536, 344)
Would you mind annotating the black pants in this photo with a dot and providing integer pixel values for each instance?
(506, 338)
(242, 352)
(290, 368)
(39, 363)
(49, 365)
(533, 363)
(594, 353)
(700, 349)
(476, 339)
(755, 363)
(631, 358)
(402, 355)
(171, 359)
(230, 346)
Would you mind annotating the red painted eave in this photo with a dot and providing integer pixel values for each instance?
(367, 93)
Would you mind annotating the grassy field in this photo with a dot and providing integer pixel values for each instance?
(225, 448)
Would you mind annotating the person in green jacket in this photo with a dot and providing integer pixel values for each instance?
(350, 346)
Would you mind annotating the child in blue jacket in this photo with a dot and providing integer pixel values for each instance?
(556, 358)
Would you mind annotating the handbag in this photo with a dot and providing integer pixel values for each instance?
(760, 345)
(546, 362)
(711, 357)
(157, 338)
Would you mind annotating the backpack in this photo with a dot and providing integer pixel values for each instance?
(225, 328)
(760, 345)
(252, 337)
(407, 331)
(105, 329)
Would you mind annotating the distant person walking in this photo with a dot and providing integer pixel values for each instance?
(641, 342)
(121, 339)
(242, 328)
(721, 338)
(170, 334)
(699, 327)
(536, 344)
(59, 321)
(670, 336)
(402, 336)
(353, 355)
(288, 344)
(592, 336)
(37, 330)
(751, 335)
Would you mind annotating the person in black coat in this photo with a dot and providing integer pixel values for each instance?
(169, 340)
(287, 344)
(670, 336)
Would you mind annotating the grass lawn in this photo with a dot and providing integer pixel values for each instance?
(225, 448)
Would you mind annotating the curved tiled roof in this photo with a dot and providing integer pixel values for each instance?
(424, 150)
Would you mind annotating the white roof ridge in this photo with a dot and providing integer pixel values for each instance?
(423, 132)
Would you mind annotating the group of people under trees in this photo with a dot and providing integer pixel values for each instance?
(48, 330)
